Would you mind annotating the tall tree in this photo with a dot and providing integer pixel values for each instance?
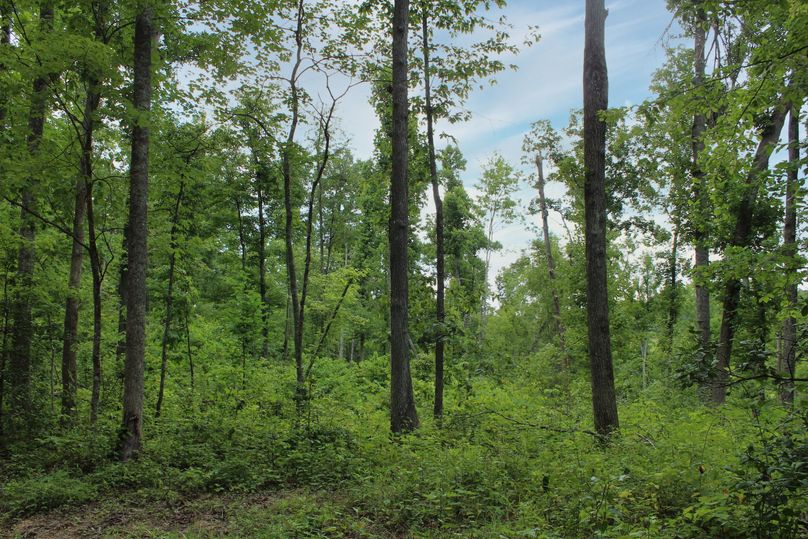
(132, 430)
(403, 415)
(498, 183)
(596, 99)
(440, 305)
(786, 360)
(542, 142)
(700, 194)
(20, 364)
(772, 125)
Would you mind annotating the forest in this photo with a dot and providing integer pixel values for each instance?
(221, 319)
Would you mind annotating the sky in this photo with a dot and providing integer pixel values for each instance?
(547, 85)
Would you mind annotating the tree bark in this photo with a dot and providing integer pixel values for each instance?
(403, 415)
(138, 205)
(286, 167)
(440, 306)
(71, 319)
(20, 404)
(4, 357)
(262, 265)
(172, 261)
(551, 268)
(700, 235)
(604, 403)
(120, 346)
(786, 360)
(91, 105)
(95, 267)
(673, 298)
(769, 136)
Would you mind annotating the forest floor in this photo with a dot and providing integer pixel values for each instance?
(513, 458)
(280, 514)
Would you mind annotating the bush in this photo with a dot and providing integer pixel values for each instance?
(35, 494)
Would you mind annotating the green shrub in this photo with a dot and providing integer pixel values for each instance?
(35, 494)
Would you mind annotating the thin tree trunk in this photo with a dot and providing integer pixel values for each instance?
(95, 267)
(440, 306)
(551, 268)
(484, 304)
(136, 279)
(786, 360)
(5, 40)
(242, 242)
(286, 167)
(92, 102)
(673, 298)
(700, 192)
(596, 96)
(20, 402)
(188, 346)
(120, 347)
(71, 319)
(262, 269)
(4, 357)
(403, 415)
(172, 261)
(769, 136)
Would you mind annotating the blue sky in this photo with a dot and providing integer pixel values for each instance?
(547, 85)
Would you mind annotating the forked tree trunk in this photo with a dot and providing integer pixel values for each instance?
(132, 429)
(403, 415)
(596, 95)
(769, 136)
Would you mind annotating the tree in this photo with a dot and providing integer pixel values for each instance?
(542, 142)
(498, 183)
(440, 274)
(132, 429)
(20, 364)
(786, 360)
(700, 193)
(403, 415)
(604, 402)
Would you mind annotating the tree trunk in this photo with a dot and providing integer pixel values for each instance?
(4, 357)
(673, 297)
(769, 136)
(597, 299)
(787, 357)
(286, 167)
(188, 346)
(440, 307)
(262, 267)
(91, 105)
(20, 403)
(138, 205)
(95, 267)
(120, 347)
(172, 261)
(551, 269)
(403, 415)
(700, 194)
(71, 319)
